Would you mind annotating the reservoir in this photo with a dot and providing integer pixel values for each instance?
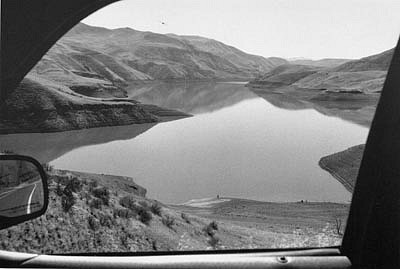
(237, 144)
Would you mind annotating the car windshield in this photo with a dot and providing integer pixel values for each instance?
(201, 125)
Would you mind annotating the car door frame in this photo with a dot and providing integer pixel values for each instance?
(372, 235)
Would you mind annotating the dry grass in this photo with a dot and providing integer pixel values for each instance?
(124, 224)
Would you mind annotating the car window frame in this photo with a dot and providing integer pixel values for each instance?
(358, 244)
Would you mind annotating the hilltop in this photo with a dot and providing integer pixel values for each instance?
(98, 61)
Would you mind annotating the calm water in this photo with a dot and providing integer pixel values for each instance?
(237, 144)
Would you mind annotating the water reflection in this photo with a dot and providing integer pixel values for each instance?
(356, 108)
(203, 97)
(191, 97)
(237, 144)
(47, 147)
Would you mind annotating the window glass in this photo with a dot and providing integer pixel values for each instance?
(201, 125)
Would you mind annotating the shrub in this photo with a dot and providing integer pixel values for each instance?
(214, 241)
(208, 230)
(145, 216)
(211, 228)
(62, 179)
(67, 201)
(124, 240)
(102, 193)
(106, 220)
(59, 190)
(144, 204)
(214, 225)
(67, 192)
(74, 185)
(338, 226)
(127, 201)
(156, 209)
(93, 223)
(92, 185)
(95, 203)
(130, 202)
(123, 213)
(185, 218)
(168, 221)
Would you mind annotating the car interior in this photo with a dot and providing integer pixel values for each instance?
(371, 238)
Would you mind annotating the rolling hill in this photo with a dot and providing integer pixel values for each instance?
(378, 62)
(95, 60)
(365, 75)
(286, 74)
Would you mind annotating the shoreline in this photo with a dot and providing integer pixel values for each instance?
(345, 182)
(192, 80)
(113, 207)
(353, 106)
(344, 165)
(79, 111)
(39, 106)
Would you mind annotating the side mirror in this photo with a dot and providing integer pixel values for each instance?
(23, 190)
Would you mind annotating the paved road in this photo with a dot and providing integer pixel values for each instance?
(25, 199)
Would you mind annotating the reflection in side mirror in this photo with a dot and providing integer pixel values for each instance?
(23, 189)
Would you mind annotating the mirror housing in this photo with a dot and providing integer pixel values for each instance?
(23, 189)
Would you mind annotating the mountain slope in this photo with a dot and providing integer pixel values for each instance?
(376, 62)
(45, 106)
(241, 59)
(356, 82)
(89, 58)
(365, 75)
(287, 74)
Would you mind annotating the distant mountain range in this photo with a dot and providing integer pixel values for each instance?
(98, 62)
(89, 59)
(363, 75)
(328, 62)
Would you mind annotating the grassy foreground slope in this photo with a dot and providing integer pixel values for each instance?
(102, 213)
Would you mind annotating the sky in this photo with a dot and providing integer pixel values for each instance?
(283, 28)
